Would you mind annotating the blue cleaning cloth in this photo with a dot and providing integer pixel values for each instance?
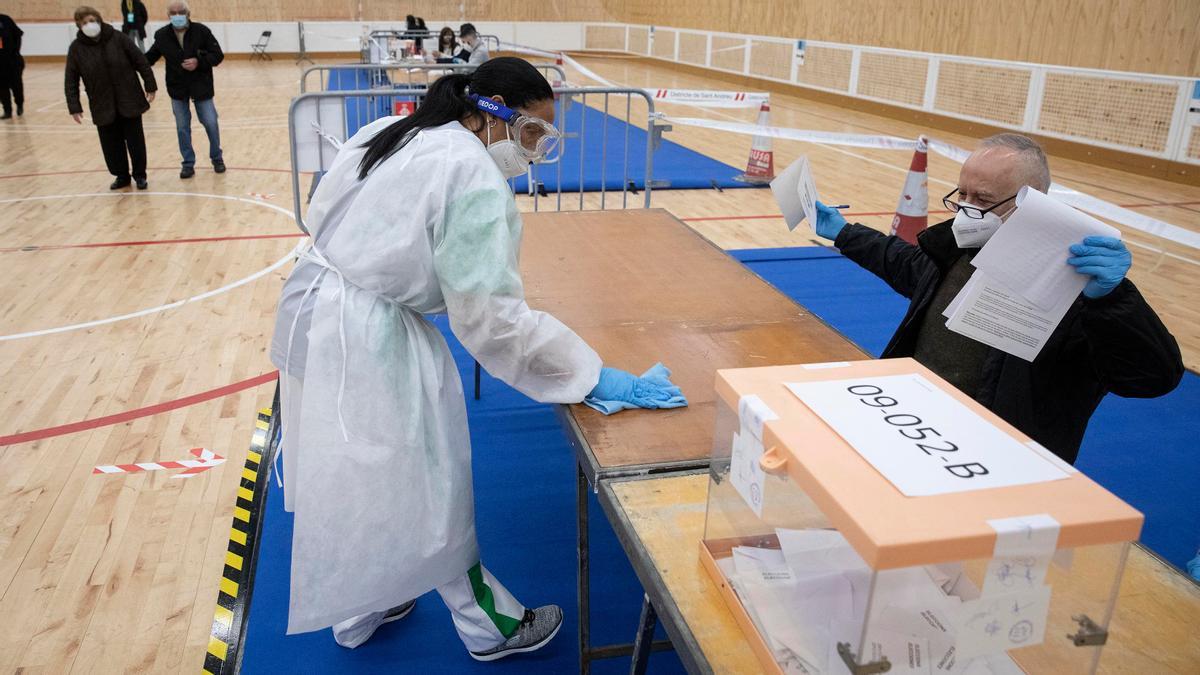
(658, 375)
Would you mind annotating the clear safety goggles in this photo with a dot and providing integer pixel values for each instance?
(535, 137)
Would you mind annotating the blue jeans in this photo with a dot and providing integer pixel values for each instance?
(207, 112)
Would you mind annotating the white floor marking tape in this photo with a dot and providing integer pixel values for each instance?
(179, 303)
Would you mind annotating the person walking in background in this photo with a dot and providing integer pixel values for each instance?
(191, 53)
(109, 64)
(133, 21)
(12, 64)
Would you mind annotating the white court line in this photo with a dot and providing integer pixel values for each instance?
(172, 305)
(49, 106)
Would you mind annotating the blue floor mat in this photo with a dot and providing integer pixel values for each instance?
(595, 162)
(601, 159)
(525, 518)
(1141, 450)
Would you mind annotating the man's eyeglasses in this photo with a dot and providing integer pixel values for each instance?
(972, 212)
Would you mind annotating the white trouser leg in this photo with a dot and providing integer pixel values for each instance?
(485, 613)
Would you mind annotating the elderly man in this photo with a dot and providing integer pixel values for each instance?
(1109, 341)
(191, 53)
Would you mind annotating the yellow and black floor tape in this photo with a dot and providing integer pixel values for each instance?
(237, 579)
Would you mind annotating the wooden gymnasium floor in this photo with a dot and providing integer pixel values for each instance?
(119, 573)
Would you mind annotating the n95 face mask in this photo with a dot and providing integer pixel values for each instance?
(90, 29)
(974, 232)
(507, 155)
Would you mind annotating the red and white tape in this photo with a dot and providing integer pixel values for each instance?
(205, 460)
(710, 99)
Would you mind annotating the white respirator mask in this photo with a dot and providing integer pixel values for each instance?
(507, 155)
(974, 232)
(90, 29)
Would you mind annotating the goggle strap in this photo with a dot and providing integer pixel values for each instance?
(490, 107)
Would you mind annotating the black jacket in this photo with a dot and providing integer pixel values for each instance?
(198, 43)
(109, 66)
(1115, 343)
(139, 17)
(10, 36)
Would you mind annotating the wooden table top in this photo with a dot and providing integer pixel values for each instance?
(1153, 630)
(642, 287)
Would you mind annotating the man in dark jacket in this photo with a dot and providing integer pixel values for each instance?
(109, 65)
(12, 87)
(133, 21)
(1109, 341)
(191, 53)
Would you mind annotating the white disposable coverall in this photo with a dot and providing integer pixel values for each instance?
(376, 450)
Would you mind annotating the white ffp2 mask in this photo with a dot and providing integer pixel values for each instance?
(974, 232)
(90, 29)
(507, 155)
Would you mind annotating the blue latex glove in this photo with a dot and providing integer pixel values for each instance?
(1105, 259)
(619, 390)
(829, 221)
(1193, 567)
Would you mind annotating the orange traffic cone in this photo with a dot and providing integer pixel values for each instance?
(912, 213)
(760, 168)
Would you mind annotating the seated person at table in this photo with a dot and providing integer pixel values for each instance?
(1110, 340)
(473, 51)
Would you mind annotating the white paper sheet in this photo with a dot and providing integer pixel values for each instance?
(994, 624)
(796, 194)
(1021, 557)
(815, 553)
(1029, 253)
(990, 312)
(767, 564)
(924, 441)
(745, 473)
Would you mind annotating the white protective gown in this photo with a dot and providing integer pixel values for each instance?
(376, 449)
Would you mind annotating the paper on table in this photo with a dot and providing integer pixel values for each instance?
(796, 194)
(994, 624)
(1029, 253)
(925, 441)
(934, 625)
(990, 312)
(795, 614)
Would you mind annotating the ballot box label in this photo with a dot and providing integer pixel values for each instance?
(921, 438)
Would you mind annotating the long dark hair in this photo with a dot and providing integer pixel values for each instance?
(447, 30)
(446, 101)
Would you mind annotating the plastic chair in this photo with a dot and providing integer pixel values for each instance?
(259, 49)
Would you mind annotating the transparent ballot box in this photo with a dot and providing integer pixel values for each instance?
(868, 517)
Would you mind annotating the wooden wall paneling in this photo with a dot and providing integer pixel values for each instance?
(893, 77)
(1132, 113)
(986, 92)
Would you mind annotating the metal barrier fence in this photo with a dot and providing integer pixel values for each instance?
(398, 76)
(320, 122)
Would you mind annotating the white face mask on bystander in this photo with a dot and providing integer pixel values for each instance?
(974, 232)
(91, 28)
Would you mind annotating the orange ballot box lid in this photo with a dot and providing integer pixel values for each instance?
(909, 469)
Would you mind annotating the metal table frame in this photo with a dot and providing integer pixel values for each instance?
(657, 603)
(588, 475)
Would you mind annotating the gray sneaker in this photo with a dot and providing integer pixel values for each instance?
(538, 627)
(355, 631)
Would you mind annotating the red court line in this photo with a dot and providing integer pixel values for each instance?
(150, 242)
(109, 420)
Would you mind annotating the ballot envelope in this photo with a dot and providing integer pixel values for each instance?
(868, 517)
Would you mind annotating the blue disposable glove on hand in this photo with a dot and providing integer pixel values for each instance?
(618, 390)
(1104, 259)
(829, 221)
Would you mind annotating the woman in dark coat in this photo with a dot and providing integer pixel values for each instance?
(109, 64)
